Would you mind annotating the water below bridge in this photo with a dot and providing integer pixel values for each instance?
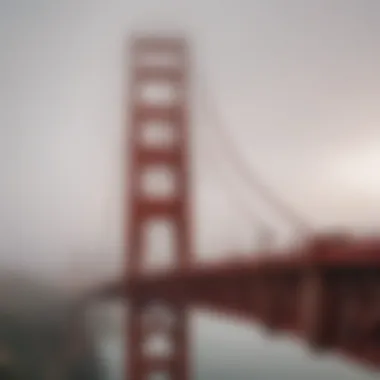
(223, 349)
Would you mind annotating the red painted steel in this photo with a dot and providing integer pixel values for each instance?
(148, 70)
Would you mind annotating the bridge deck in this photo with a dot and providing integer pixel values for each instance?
(326, 292)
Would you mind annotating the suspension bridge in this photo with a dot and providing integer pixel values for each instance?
(324, 288)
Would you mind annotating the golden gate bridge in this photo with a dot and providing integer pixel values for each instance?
(325, 288)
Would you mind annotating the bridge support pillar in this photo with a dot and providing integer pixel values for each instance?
(158, 184)
(317, 309)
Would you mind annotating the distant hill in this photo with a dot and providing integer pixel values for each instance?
(21, 293)
(32, 319)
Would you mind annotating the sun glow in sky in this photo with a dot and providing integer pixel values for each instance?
(357, 170)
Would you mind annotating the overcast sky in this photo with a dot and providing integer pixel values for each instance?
(296, 83)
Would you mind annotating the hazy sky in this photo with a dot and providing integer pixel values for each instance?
(295, 81)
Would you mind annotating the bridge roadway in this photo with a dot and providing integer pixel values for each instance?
(325, 291)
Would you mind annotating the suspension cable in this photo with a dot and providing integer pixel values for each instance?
(251, 179)
(248, 213)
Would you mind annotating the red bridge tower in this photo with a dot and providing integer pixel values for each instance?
(158, 143)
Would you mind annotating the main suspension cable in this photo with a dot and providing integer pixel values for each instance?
(251, 179)
(213, 157)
